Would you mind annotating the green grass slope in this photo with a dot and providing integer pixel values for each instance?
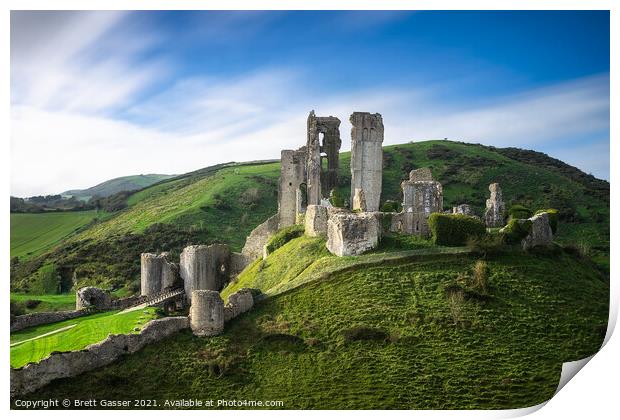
(47, 303)
(35, 233)
(225, 202)
(36, 343)
(113, 186)
(393, 334)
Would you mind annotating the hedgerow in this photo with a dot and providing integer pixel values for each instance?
(454, 229)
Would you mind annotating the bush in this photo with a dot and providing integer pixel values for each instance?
(390, 206)
(554, 216)
(454, 229)
(283, 236)
(519, 212)
(516, 230)
(17, 308)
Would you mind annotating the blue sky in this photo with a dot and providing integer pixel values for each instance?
(97, 95)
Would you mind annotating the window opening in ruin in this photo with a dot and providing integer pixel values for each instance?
(303, 190)
(222, 269)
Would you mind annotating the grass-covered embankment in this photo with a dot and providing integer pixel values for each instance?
(405, 333)
(36, 343)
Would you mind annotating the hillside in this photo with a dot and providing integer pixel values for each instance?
(35, 233)
(113, 186)
(225, 202)
(410, 333)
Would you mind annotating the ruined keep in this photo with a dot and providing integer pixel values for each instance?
(495, 209)
(366, 159)
(206, 315)
(323, 143)
(421, 197)
(204, 267)
(157, 274)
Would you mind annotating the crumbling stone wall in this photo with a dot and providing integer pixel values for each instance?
(463, 209)
(204, 267)
(292, 186)
(420, 174)
(367, 158)
(157, 273)
(206, 315)
(68, 364)
(352, 233)
(495, 209)
(316, 220)
(540, 234)
(238, 303)
(258, 238)
(38, 318)
(92, 298)
(421, 197)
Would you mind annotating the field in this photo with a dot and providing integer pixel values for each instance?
(73, 334)
(49, 303)
(34, 233)
(415, 332)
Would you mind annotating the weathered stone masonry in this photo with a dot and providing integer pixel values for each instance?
(366, 158)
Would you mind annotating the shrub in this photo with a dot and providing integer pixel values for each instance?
(554, 216)
(283, 236)
(17, 308)
(390, 206)
(32, 303)
(335, 198)
(518, 211)
(516, 230)
(454, 229)
(487, 245)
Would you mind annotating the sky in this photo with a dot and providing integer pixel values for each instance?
(101, 94)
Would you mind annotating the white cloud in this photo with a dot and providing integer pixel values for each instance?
(72, 72)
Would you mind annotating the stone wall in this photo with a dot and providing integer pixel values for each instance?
(68, 364)
(316, 220)
(463, 209)
(238, 303)
(38, 318)
(540, 232)
(367, 157)
(352, 233)
(420, 200)
(258, 238)
(157, 273)
(204, 267)
(238, 262)
(292, 176)
(92, 298)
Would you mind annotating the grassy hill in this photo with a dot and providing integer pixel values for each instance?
(370, 332)
(35, 233)
(223, 203)
(113, 186)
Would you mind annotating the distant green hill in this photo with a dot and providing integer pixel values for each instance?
(113, 186)
(223, 203)
(366, 333)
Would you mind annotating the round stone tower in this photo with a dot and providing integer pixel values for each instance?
(206, 313)
(150, 274)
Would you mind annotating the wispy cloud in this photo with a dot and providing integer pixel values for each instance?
(79, 115)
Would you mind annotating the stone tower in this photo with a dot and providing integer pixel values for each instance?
(321, 182)
(495, 209)
(422, 196)
(366, 159)
(204, 267)
(292, 186)
(157, 274)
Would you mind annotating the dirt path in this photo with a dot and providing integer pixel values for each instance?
(68, 327)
